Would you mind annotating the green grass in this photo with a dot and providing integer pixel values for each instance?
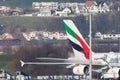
(30, 23)
(18, 3)
(6, 57)
(6, 62)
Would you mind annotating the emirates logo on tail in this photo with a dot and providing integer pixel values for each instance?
(76, 39)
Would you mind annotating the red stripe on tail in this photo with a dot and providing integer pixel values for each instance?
(85, 47)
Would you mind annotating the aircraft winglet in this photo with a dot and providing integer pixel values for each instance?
(22, 63)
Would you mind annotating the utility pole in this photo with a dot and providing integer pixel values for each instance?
(90, 41)
(119, 43)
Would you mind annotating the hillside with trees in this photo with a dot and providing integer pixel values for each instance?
(104, 23)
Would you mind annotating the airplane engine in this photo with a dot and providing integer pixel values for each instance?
(81, 70)
(112, 73)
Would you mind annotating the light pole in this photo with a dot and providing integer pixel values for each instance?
(119, 43)
(90, 41)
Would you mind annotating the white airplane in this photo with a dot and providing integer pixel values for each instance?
(80, 62)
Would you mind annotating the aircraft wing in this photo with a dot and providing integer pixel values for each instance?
(51, 63)
(59, 61)
(71, 60)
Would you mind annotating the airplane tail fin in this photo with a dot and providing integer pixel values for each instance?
(77, 41)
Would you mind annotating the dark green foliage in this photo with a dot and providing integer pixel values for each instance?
(107, 23)
(105, 48)
(30, 53)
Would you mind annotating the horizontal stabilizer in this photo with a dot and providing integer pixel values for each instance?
(22, 63)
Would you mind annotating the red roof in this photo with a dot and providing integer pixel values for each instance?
(89, 3)
(118, 2)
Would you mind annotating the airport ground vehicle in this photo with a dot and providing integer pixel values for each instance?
(22, 76)
(5, 75)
